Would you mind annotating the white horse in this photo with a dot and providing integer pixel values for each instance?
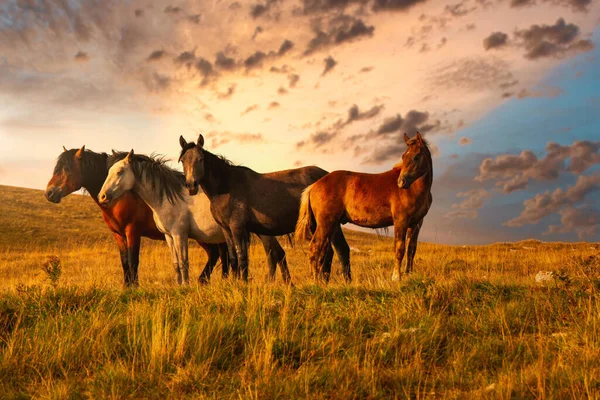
(178, 215)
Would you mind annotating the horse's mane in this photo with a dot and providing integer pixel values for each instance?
(154, 170)
(220, 157)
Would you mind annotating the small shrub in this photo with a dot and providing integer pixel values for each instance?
(53, 270)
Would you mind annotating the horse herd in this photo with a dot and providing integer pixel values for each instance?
(220, 204)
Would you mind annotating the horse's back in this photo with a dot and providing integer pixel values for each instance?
(303, 175)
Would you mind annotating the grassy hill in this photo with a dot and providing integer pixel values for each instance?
(472, 322)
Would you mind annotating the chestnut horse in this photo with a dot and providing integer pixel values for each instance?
(399, 197)
(243, 201)
(128, 219)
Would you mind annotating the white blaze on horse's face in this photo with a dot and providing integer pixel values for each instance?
(120, 179)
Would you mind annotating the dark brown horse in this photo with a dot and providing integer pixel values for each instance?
(400, 197)
(129, 218)
(244, 201)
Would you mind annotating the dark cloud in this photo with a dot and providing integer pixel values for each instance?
(223, 62)
(354, 114)
(324, 6)
(293, 80)
(582, 220)
(273, 105)
(575, 5)
(206, 69)
(513, 172)
(286, 46)
(414, 121)
(261, 9)
(156, 55)
(495, 40)
(547, 203)
(330, 63)
(558, 40)
(139, 12)
(282, 90)
(458, 9)
(81, 56)
(342, 29)
(366, 69)
(394, 5)
(255, 60)
(186, 58)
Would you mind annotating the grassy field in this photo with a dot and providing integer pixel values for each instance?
(472, 322)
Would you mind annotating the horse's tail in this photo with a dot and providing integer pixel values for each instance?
(305, 217)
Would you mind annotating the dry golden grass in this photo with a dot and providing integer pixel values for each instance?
(472, 322)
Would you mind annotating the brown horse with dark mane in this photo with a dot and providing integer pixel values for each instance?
(129, 218)
(399, 197)
(244, 201)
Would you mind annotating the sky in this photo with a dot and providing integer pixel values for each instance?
(507, 92)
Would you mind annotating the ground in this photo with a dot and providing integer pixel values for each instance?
(471, 322)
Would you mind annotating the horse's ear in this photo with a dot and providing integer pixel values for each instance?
(406, 138)
(182, 142)
(200, 141)
(129, 156)
(79, 153)
(64, 149)
(114, 153)
(419, 138)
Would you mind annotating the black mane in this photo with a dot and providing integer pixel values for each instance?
(153, 169)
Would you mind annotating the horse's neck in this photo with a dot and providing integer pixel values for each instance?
(152, 197)
(217, 182)
(93, 179)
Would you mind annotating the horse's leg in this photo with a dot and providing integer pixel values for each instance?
(399, 247)
(343, 252)
(133, 255)
(122, 243)
(271, 245)
(224, 256)
(180, 243)
(174, 257)
(233, 261)
(326, 263)
(212, 251)
(319, 246)
(413, 236)
(240, 241)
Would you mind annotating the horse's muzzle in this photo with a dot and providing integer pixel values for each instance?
(104, 199)
(53, 194)
(192, 188)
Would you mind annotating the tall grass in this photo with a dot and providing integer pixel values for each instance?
(472, 322)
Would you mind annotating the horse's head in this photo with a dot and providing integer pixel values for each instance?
(120, 179)
(192, 158)
(67, 177)
(415, 161)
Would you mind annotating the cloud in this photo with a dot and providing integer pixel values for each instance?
(558, 40)
(342, 29)
(223, 62)
(260, 9)
(472, 74)
(465, 141)
(414, 121)
(157, 82)
(273, 105)
(228, 93)
(394, 5)
(221, 138)
(354, 114)
(324, 6)
(576, 5)
(186, 58)
(468, 208)
(156, 55)
(255, 60)
(286, 46)
(330, 63)
(249, 109)
(496, 40)
(547, 203)
(545, 91)
(293, 80)
(513, 172)
(582, 220)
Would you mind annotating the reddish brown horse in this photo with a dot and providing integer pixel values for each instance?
(400, 197)
(129, 218)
